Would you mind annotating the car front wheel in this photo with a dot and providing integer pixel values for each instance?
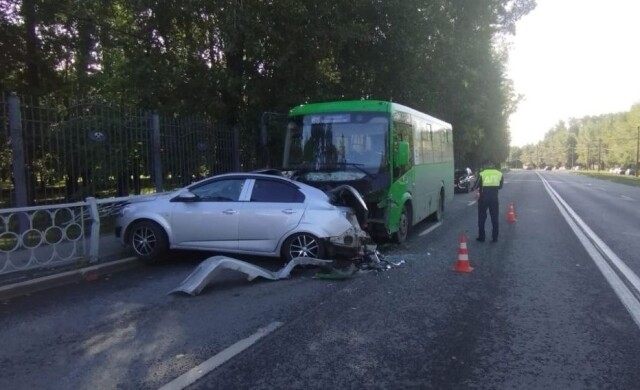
(303, 245)
(148, 240)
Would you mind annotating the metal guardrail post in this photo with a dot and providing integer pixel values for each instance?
(94, 242)
(18, 160)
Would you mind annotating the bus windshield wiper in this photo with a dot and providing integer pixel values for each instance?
(311, 167)
(358, 167)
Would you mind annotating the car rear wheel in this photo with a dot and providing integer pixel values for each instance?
(303, 245)
(148, 240)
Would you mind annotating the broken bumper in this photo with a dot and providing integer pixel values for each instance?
(348, 243)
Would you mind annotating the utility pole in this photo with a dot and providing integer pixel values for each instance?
(571, 147)
(637, 150)
(599, 148)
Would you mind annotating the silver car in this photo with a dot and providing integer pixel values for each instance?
(249, 213)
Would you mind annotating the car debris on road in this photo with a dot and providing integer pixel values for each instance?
(211, 267)
(205, 273)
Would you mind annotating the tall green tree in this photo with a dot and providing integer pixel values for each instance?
(234, 59)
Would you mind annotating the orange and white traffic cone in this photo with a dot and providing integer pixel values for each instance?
(511, 215)
(462, 265)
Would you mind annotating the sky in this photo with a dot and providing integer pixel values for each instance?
(573, 58)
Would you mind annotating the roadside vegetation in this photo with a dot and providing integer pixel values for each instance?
(235, 60)
(623, 179)
(609, 142)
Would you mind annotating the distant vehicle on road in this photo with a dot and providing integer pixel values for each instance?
(249, 213)
(463, 180)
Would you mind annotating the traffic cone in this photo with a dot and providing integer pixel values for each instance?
(462, 265)
(511, 215)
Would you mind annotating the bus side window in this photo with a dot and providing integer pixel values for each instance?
(403, 132)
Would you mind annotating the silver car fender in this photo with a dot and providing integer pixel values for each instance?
(151, 216)
(316, 221)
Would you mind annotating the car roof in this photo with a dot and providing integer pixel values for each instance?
(309, 191)
(253, 175)
(244, 175)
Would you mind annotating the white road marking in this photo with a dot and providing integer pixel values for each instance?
(472, 202)
(203, 369)
(597, 249)
(626, 197)
(429, 230)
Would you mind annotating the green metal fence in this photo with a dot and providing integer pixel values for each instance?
(64, 151)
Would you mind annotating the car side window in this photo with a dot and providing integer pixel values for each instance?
(226, 190)
(275, 192)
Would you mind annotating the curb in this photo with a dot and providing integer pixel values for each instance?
(84, 274)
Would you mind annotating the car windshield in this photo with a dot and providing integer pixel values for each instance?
(343, 146)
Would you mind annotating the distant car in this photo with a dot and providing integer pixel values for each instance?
(548, 168)
(463, 180)
(249, 213)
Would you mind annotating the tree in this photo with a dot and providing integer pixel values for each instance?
(234, 59)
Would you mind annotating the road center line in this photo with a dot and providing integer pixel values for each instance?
(626, 197)
(191, 376)
(429, 230)
(597, 249)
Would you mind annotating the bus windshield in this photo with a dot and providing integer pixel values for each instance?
(338, 146)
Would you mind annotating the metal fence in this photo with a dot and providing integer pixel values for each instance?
(57, 152)
(52, 236)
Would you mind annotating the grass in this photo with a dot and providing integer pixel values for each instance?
(622, 179)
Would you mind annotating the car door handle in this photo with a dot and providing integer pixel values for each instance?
(289, 211)
(230, 212)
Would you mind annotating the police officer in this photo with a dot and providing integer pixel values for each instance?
(489, 181)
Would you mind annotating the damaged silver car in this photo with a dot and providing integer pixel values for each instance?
(248, 213)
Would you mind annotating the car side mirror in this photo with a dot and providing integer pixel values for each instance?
(185, 196)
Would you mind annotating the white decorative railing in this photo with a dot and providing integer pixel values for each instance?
(54, 235)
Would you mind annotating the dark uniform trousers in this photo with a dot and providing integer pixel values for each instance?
(488, 201)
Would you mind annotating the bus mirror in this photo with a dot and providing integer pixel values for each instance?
(402, 157)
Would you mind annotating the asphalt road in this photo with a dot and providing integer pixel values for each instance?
(535, 313)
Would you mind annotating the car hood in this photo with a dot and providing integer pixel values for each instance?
(152, 197)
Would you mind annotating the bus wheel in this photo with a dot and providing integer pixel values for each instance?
(439, 213)
(404, 224)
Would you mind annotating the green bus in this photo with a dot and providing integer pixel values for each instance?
(399, 159)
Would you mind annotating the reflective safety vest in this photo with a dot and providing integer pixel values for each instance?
(491, 177)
